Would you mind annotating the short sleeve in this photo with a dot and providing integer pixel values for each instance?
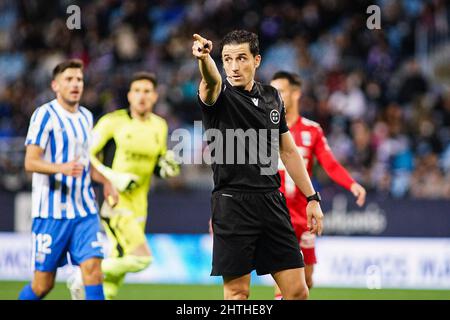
(39, 128)
(209, 106)
(88, 116)
(283, 125)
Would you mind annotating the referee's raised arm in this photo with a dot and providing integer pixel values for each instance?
(211, 83)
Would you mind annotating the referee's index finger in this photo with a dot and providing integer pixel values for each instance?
(199, 38)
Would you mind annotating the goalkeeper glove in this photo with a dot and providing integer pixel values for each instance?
(167, 166)
(107, 212)
(122, 181)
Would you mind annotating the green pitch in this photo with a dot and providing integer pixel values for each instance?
(10, 290)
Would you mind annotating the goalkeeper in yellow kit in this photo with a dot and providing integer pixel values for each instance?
(129, 145)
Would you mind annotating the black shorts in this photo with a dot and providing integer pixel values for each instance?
(252, 231)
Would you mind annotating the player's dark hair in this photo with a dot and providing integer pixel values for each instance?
(239, 37)
(144, 75)
(292, 78)
(68, 64)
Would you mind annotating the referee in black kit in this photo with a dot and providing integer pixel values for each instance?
(250, 220)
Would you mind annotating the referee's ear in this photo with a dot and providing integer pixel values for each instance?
(257, 60)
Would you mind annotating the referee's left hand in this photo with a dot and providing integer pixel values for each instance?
(314, 217)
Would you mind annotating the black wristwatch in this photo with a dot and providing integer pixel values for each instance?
(315, 196)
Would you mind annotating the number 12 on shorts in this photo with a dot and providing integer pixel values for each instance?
(42, 242)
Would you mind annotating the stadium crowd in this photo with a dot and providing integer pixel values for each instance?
(386, 119)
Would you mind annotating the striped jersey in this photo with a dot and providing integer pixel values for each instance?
(64, 136)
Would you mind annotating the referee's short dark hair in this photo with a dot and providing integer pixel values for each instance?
(239, 37)
(292, 78)
(67, 64)
(144, 75)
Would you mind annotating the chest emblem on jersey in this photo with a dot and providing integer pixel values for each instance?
(275, 116)
(306, 138)
(255, 101)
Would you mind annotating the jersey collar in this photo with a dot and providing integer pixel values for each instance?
(254, 92)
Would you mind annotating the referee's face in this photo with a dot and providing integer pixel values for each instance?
(240, 65)
(142, 96)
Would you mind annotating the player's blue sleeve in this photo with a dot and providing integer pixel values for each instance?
(39, 129)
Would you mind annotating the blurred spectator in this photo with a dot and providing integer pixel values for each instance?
(349, 100)
(386, 120)
(414, 83)
(428, 181)
(362, 155)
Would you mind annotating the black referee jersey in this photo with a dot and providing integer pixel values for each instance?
(240, 116)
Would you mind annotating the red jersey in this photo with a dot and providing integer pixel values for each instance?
(311, 143)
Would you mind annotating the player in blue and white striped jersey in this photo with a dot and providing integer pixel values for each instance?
(62, 135)
(64, 210)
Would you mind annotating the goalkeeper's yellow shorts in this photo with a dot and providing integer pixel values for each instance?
(123, 228)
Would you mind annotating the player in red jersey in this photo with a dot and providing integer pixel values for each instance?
(311, 143)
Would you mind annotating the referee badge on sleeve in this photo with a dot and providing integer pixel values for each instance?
(275, 116)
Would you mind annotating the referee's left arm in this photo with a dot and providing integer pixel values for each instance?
(296, 168)
(295, 164)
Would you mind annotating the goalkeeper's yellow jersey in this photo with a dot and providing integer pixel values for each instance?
(132, 146)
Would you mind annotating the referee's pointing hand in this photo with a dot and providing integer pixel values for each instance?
(201, 47)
